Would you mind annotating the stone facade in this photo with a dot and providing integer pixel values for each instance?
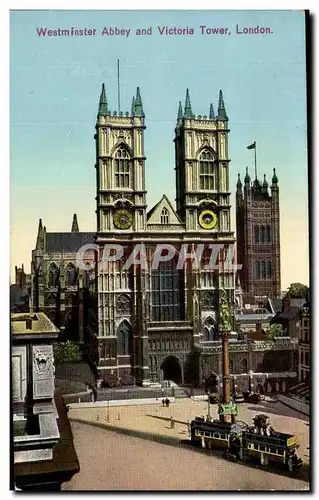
(61, 289)
(265, 366)
(258, 239)
(149, 318)
(304, 345)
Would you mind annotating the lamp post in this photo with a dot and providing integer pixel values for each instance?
(226, 375)
(225, 330)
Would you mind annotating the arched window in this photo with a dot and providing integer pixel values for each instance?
(124, 339)
(268, 234)
(206, 171)
(53, 275)
(71, 275)
(122, 168)
(164, 216)
(209, 329)
(244, 366)
(256, 234)
(123, 305)
(206, 334)
(263, 234)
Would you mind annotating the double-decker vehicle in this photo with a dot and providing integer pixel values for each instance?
(258, 443)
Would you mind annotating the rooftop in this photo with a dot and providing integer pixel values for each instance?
(31, 324)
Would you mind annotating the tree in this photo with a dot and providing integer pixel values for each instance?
(275, 330)
(66, 351)
(297, 291)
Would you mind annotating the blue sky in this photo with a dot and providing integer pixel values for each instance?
(55, 87)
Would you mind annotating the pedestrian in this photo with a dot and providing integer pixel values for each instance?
(167, 402)
(163, 402)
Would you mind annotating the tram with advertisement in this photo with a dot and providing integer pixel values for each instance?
(259, 443)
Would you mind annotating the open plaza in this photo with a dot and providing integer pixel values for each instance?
(137, 447)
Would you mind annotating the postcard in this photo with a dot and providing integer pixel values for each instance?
(159, 295)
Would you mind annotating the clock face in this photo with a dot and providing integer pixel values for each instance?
(208, 219)
(122, 219)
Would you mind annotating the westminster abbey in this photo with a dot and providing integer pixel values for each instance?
(148, 323)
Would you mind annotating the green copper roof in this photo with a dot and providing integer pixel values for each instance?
(188, 108)
(221, 107)
(239, 183)
(265, 183)
(133, 106)
(180, 111)
(211, 112)
(103, 103)
(138, 106)
(274, 178)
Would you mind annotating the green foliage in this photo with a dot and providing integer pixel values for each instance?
(297, 291)
(275, 330)
(66, 351)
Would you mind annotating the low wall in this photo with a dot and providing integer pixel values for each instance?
(294, 403)
(125, 402)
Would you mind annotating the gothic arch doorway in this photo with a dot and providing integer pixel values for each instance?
(171, 369)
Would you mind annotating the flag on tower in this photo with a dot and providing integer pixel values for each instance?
(252, 146)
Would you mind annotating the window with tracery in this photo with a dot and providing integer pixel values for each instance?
(164, 216)
(122, 168)
(206, 171)
(124, 339)
(53, 275)
(123, 305)
(263, 270)
(71, 275)
(167, 293)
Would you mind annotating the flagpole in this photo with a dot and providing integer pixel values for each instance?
(118, 86)
(256, 160)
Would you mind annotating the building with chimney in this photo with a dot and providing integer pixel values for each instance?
(58, 287)
(258, 238)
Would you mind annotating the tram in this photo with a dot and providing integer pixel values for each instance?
(259, 443)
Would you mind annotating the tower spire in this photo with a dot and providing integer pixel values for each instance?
(211, 112)
(188, 107)
(274, 178)
(40, 237)
(180, 111)
(221, 107)
(247, 177)
(133, 106)
(138, 106)
(103, 103)
(75, 225)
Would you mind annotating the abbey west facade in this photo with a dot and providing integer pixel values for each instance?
(150, 319)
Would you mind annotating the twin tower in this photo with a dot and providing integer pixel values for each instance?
(202, 168)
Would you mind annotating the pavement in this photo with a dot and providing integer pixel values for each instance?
(110, 461)
(154, 421)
